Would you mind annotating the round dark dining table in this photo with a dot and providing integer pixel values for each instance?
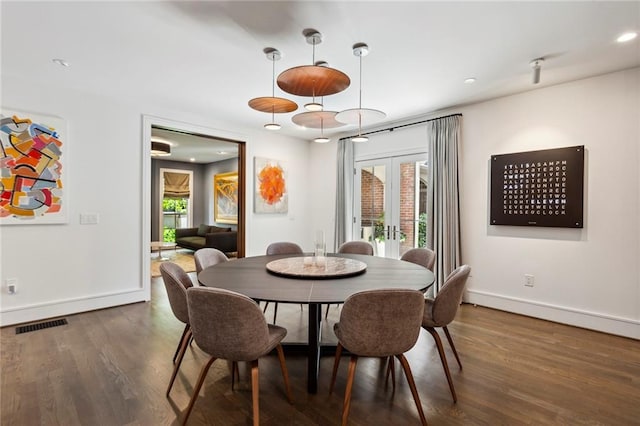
(249, 276)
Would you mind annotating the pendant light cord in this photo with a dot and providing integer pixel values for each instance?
(360, 101)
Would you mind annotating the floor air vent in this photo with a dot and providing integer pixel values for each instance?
(40, 326)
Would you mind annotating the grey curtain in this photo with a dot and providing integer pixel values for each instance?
(344, 194)
(443, 207)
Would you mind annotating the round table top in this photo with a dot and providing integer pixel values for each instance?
(249, 276)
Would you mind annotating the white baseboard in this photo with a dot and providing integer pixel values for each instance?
(626, 327)
(39, 311)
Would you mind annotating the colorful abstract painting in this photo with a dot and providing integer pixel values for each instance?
(225, 196)
(271, 186)
(31, 169)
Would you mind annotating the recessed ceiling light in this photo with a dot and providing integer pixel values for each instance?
(627, 37)
(470, 80)
(222, 152)
(192, 159)
(60, 62)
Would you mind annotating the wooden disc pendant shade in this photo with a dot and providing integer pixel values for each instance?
(313, 80)
(272, 104)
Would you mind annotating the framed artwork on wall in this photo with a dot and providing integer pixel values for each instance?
(270, 186)
(33, 168)
(538, 188)
(225, 197)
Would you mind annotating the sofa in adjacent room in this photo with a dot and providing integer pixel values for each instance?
(223, 239)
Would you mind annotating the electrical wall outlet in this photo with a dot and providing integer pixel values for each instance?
(12, 285)
(528, 280)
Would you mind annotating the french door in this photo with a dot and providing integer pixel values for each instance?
(390, 203)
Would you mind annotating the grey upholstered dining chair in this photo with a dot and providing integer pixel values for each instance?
(441, 310)
(281, 247)
(379, 323)
(176, 281)
(420, 256)
(230, 326)
(356, 247)
(284, 247)
(206, 257)
(353, 247)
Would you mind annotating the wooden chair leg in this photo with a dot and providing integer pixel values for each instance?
(453, 347)
(285, 373)
(196, 390)
(443, 358)
(347, 393)
(336, 363)
(184, 333)
(234, 372)
(412, 385)
(176, 366)
(255, 392)
(391, 368)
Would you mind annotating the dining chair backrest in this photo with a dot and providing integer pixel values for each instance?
(381, 323)
(445, 305)
(226, 324)
(284, 247)
(176, 281)
(206, 257)
(420, 256)
(356, 247)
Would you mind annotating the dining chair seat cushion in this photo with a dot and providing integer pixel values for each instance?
(380, 323)
(231, 326)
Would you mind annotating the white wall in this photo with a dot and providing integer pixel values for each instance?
(62, 269)
(587, 277)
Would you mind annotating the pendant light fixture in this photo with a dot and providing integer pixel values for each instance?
(322, 138)
(272, 104)
(160, 149)
(314, 80)
(360, 115)
(317, 120)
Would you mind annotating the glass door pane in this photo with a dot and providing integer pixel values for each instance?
(372, 198)
(412, 204)
(390, 210)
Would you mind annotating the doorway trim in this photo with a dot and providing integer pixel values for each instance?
(149, 121)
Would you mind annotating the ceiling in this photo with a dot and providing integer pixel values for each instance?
(207, 58)
(194, 148)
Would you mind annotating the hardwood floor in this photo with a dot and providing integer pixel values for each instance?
(111, 367)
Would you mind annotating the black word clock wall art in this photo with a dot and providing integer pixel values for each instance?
(538, 188)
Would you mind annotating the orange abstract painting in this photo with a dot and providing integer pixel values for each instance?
(271, 186)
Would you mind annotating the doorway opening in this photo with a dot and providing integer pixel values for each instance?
(198, 154)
